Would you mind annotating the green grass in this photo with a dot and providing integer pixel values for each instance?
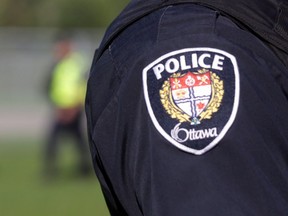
(24, 191)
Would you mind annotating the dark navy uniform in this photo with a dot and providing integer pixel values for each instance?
(187, 109)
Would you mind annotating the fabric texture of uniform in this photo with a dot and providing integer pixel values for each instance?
(142, 170)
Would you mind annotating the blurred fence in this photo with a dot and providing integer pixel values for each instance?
(25, 57)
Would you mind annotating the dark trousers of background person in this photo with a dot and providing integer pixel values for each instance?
(60, 130)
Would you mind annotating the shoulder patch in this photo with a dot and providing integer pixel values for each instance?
(192, 96)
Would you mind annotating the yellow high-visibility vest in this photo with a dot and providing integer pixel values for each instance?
(68, 84)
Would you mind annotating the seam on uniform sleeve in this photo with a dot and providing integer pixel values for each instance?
(160, 22)
(114, 96)
(118, 73)
(282, 21)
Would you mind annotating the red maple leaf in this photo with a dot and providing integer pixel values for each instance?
(200, 105)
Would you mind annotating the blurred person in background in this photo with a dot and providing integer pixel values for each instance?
(187, 105)
(66, 89)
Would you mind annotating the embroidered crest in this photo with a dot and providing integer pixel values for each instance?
(192, 96)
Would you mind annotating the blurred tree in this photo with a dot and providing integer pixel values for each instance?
(59, 13)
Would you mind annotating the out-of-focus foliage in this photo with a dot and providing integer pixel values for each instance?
(59, 13)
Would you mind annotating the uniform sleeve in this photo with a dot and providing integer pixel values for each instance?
(102, 85)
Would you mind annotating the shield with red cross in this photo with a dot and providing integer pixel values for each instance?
(191, 92)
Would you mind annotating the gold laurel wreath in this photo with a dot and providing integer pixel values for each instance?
(175, 112)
